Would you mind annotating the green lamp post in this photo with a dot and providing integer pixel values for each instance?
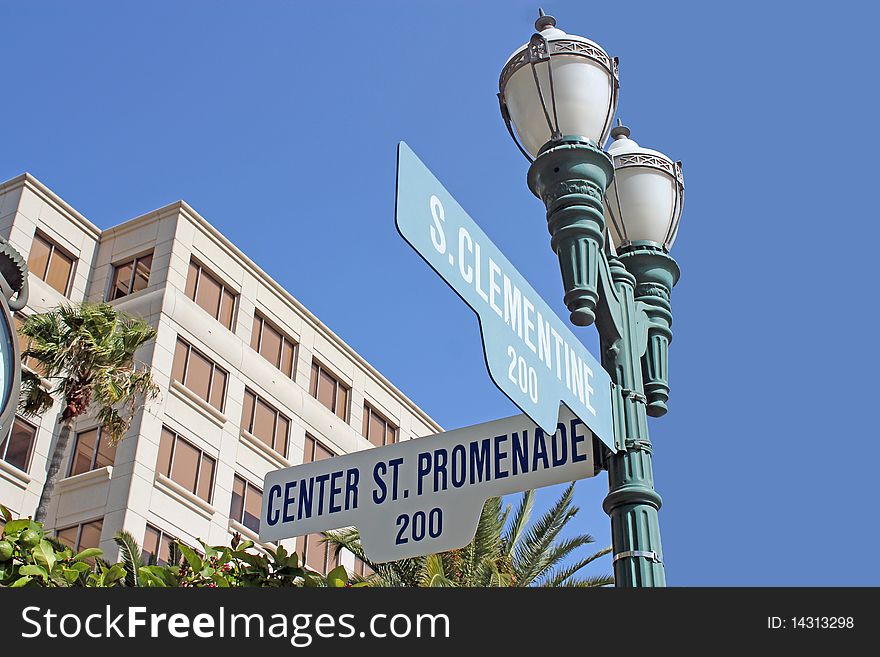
(558, 94)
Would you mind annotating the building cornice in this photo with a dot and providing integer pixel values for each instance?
(29, 182)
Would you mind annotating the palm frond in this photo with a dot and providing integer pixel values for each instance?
(559, 551)
(520, 519)
(531, 555)
(486, 544)
(34, 399)
(112, 424)
(434, 575)
(562, 576)
(587, 582)
(130, 554)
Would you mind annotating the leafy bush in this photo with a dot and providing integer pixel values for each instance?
(28, 557)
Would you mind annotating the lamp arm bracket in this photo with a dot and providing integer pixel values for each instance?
(608, 315)
(643, 326)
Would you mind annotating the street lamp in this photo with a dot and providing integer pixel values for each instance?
(642, 210)
(557, 84)
(558, 94)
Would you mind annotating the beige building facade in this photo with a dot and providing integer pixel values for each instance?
(250, 381)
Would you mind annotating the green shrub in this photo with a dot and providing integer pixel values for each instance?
(30, 558)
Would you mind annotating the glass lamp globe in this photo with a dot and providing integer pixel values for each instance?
(557, 84)
(644, 200)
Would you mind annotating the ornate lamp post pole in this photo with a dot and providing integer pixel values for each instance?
(558, 94)
(13, 297)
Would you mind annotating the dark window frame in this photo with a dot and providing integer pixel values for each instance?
(329, 559)
(4, 444)
(361, 568)
(285, 339)
(202, 455)
(248, 486)
(369, 412)
(79, 529)
(207, 271)
(53, 247)
(214, 368)
(31, 363)
(311, 452)
(133, 261)
(94, 458)
(162, 533)
(250, 424)
(314, 382)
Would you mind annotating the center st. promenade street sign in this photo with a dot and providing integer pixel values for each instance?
(532, 356)
(424, 495)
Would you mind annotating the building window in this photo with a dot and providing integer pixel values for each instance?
(328, 390)
(273, 345)
(377, 429)
(80, 537)
(214, 297)
(200, 374)
(186, 464)
(264, 422)
(314, 450)
(23, 345)
(362, 569)
(246, 502)
(48, 262)
(17, 447)
(91, 452)
(317, 555)
(157, 546)
(131, 276)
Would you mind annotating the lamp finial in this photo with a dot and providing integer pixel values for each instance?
(544, 21)
(620, 131)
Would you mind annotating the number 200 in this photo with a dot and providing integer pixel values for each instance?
(422, 523)
(523, 375)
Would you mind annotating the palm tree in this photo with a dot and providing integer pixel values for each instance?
(506, 551)
(86, 354)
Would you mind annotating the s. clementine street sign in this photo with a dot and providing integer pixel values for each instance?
(532, 355)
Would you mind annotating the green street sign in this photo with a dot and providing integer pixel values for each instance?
(532, 355)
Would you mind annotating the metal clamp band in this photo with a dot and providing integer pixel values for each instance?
(636, 443)
(636, 396)
(647, 554)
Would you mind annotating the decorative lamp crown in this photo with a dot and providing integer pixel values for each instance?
(557, 85)
(644, 201)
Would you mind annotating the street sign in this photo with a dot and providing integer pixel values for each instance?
(532, 356)
(424, 495)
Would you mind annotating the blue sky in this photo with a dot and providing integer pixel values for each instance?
(278, 121)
